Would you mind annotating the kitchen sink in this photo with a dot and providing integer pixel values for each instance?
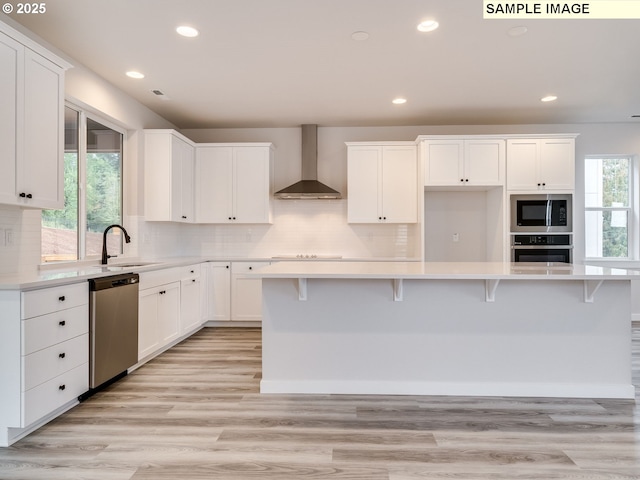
(116, 267)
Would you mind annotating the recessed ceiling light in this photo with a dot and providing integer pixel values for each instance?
(359, 36)
(517, 31)
(428, 26)
(399, 101)
(134, 74)
(187, 31)
(549, 98)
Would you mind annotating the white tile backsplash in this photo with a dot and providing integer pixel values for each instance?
(299, 227)
(20, 249)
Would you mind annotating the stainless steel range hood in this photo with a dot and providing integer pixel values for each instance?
(309, 187)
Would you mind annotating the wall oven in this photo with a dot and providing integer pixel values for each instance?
(541, 248)
(541, 213)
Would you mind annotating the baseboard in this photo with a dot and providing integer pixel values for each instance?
(488, 389)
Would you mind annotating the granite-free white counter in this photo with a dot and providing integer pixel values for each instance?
(443, 271)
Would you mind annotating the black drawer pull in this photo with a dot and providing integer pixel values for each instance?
(62, 387)
(62, 323)
(193, 280)
(62, 355)
(62, 298)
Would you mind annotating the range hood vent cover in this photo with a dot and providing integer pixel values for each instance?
(309, 187)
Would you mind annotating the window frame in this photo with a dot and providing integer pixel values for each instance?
(631, 209)
(85, 114)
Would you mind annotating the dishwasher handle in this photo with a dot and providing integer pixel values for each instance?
(113, 281)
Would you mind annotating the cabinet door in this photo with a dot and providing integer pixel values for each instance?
(443, 162)
(189, 304)
(40, 171)
(522, 164)
(11, 66)
(148, 333)
(169, 312)
(557, 164)
(484, 162)
(219, 291)
(182, 178)
(213, 184)
(364, 170)
(246, 292)
(399, 184)
(251, 184)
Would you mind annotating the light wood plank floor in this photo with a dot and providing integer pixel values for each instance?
(195, 413)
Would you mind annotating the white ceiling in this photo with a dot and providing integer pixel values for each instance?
(270, 63)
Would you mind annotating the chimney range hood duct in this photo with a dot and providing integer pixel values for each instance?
(309, 187)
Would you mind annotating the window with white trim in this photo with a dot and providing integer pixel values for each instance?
(609, 214)
(92, 191)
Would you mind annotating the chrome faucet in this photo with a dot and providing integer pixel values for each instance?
(127, 239)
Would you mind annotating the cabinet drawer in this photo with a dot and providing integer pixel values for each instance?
(51, 362)
(54, 299)
(51, 395)
(46, 330)
(244, 268)
(190, 271)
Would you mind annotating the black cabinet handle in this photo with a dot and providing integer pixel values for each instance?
(226, 266)
(193, 280)
(466, 180)
(62, 387)
(62, 355)
(250, 268)
(62, 298)
(62, 323)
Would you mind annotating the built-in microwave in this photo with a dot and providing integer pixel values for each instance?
(541, 213)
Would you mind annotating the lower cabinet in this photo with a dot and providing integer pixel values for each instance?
(158, 317)
(44, 355)
(170, 306)
(232, 294)
(246, 292)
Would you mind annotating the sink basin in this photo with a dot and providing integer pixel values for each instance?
(116, 267)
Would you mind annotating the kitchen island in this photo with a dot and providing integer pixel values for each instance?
(412, 328)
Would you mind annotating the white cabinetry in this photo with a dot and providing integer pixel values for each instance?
(219, 291)
(44, 354)
(233, 183)
(382, 182)
(233, 295)
(546, 164)
(169, 176)
(454, 161)
(246, 292)
(31, 123)
(190, 299)
(158, 310)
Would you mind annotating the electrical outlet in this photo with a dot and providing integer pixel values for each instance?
(8, 237)
(456, 237)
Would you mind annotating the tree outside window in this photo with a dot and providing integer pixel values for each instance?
(608, 214)
(92, 190)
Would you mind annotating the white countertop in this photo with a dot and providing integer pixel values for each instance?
(443, 270)
(50, 277)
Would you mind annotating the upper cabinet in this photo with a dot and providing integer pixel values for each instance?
(31, 123)
(169, 176)
(382, 182)
(457, 161)
(233, 183)
(545, 164)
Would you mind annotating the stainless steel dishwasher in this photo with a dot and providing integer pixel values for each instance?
(113, 327)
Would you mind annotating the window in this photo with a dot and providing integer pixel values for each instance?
(92, 191)
(609, 214)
